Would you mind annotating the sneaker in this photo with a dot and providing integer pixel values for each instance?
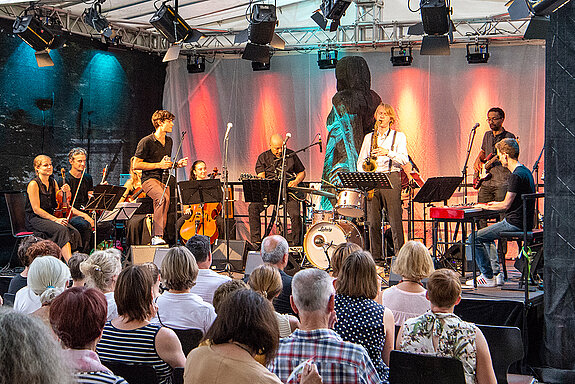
(499, 279)
(157, 240)
(482, 281)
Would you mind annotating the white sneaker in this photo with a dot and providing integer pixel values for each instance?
(157, 240)
(499, 279)
(482, 281)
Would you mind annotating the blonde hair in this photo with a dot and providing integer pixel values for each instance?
(38, 161)
(179, 269)
(48, 277)
(389, 111)
(266, 279)
(413, 261)
(101, 267)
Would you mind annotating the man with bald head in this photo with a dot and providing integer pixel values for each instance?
(268, 166)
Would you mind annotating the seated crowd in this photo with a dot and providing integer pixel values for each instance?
(77, 322)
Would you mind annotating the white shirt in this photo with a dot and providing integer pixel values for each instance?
(112, 308)
(207, 283)
(405, 305)
(184, 311)
(26, 301)
(398, 154)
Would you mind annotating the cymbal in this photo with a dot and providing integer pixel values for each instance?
(312, 191)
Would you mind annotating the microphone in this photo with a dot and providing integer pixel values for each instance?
(475, 126)
(230, 125)
(320, 144)
(288, 135)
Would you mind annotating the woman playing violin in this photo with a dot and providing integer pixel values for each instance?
(41, 206)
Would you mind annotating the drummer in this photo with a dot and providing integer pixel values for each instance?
(268, 166)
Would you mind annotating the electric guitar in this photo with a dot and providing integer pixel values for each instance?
(484, 174)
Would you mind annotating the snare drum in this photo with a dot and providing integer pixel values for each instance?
(320, 216)
(350, 203)
(322, 238)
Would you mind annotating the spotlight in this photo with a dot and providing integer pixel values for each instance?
(93, 17)
(436, 23)
(196, 64)
(477, 53)
(332, 10)
(258, 66)
(545, 7)
(539, 12)
(260, 33)
(401, 56)
(173, 27)
(33, 32)
(327, 59)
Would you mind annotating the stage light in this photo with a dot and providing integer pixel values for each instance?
(330, 10)
(173, 27)
(436, 24)
(545, 7)
(477, 53)
(401, 56)
(260, 33)
(93, 17)
(327, 59)
(539, 12)
(196, 63)
(34, 33)
(258, 66)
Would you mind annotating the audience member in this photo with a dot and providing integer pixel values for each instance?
(208, 281)
(157, 278)
(101, 269)
(359, 318)
(130, 338)
(178, 308)
(33, 250)
(338, 361)
(226, 289)
(19, 281)
(340, 253)
(77, 318)
(440, 332)
(28, 352)
(266, 280)
(407, 299)
(78, 278)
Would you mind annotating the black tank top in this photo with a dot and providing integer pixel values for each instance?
(47, 196)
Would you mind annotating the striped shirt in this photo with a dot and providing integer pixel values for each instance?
(135, 346)
(99, 378)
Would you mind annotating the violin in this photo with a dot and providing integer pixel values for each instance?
(63, 199)
(214, 173)
(138, 192)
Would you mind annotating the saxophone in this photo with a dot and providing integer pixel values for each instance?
(369, 164)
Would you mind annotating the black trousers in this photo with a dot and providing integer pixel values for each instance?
(293, 210)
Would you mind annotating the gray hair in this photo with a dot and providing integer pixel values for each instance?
(312, 289)
(101, 267)
(28, 351)
(273, 249)
(76, 151)
(48, 277)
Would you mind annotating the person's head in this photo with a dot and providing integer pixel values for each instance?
(77, 159)
(266, 279)
(340, 253)
(78, 316)
(507, 149)
(48, 277)
(179, 269)
(43, 248)
(226, 289)
(28, 352)
(199, 171)
(163, 119)
(200, 247)
(43, 165)
(246, 317)
(444, 288)
(23, 249)
(133, 293)
(275, 250)
(358, 277)
(102, 268)
(276, 144)
(495, 118)
(74, 265)
(155, 275)
(413, 261)
(312, 290)
(385, 115)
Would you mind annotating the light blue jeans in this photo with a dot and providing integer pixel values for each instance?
(488, 262)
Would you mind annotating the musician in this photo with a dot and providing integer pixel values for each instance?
(389, 151)
(153, 158)
(520, 182)
(41, 205)
(268, 166)
(137, 231)
(495, 187)
(81, 189)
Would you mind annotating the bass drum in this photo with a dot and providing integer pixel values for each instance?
(322, 238)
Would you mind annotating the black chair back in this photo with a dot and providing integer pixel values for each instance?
(16, 203)
(9, 299)
(505, 347)
(413, 368)
(178, 376)
(133, 373)
(190, 338)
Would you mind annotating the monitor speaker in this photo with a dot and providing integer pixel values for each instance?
(140, 254)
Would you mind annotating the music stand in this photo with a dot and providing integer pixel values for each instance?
(200, 192)
(123, 211)
(105, 198)
(264, 191)
(438, 189)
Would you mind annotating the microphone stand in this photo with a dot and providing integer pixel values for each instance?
(227, 268)
(283, 190)
(464, 170)
(173, 169)
(536, 171)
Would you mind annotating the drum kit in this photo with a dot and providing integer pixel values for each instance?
(329, 228)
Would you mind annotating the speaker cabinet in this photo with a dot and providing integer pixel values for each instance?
(238, 250)
(140, 254)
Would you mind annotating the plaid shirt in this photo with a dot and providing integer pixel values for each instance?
(338, 361)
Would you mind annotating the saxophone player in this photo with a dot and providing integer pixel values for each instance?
(384, 150)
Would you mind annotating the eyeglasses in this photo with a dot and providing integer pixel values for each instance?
(490, 119)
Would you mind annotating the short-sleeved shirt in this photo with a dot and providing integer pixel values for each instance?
(86, 186)
(499, 173)
(520, 182)
(150, 150)
(271, 165)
